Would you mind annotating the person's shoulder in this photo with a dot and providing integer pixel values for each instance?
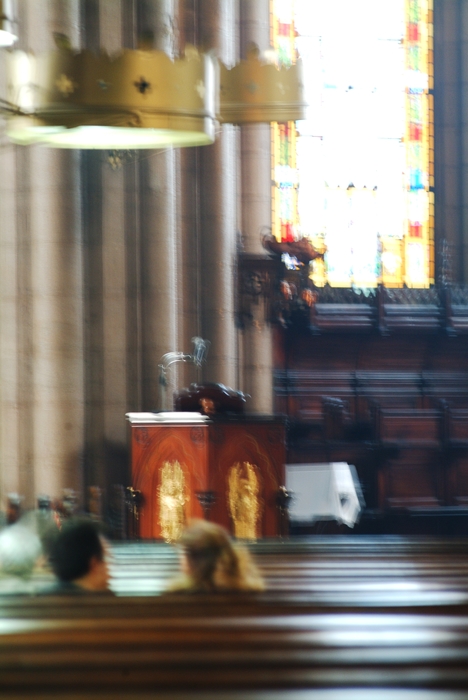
(69, 588)
(14, 585)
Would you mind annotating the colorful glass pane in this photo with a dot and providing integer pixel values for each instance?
(357, 174)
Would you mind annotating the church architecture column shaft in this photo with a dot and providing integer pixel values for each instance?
(56, 340)
(188, 247)
(105, 278)
(256, 218)
(10, 323)
(159, 177)
(189, 230)
(451, 139)
(218, 22)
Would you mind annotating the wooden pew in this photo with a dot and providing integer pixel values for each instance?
(450, 387)
(409, 427)
(411, 446)
(317, 572)
(387, 389)
(409, 310)
(342, 614)
(99, 657)
(456, 447)
(326, 317)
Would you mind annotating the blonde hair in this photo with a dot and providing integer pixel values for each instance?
(215, 562)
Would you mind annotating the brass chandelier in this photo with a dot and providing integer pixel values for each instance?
(137, 99)
(141, 98)
(7, 31)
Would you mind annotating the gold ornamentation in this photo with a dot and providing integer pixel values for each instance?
(159, 99)
(200, 88)
(244, 502)
(142, 85)
(257, 92)
(172, 498)
(65, 85)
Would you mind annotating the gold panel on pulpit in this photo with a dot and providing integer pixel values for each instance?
(245, 503)
(172, 497)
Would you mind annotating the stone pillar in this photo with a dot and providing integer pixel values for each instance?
(451, 141)
(218, 22)
(10, 362)
(56, 287)
(105, 319)
(256, 219)
(159, 205)
(16, 400)
(188, 229)
(114, 278)
(189, 260)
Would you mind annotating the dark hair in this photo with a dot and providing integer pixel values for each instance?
(73, 547)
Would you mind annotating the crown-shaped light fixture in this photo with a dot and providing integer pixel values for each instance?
(136, 99)
(141, 98)
(255, 91)
(7, 32)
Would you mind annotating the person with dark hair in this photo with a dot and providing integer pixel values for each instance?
(77, 555)
(211, 561)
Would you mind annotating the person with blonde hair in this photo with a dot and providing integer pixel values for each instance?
(211, 561)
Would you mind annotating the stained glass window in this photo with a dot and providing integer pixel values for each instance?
(357, 174)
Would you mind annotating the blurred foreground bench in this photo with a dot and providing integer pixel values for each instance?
(347, 616)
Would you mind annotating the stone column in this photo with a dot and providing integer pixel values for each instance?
(450, 75)
(189, 244)
(109, 202)
(16, 400)
(55, 286)
(256, 219)
(9, 322)
(114, 253)
(159, 206)
(189, 229)
(218, 22)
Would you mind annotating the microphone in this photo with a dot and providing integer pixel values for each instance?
(200, 350)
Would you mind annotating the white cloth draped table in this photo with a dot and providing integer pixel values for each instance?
(328, 491)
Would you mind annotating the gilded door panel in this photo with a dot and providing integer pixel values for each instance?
(169, 467)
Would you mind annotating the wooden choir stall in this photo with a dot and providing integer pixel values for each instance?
(225, 468)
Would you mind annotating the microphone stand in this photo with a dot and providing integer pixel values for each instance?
(200, 350)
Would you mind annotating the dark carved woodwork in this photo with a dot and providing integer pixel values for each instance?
(348, 309)
(406, 428)
(437, 386)
(292, 300)
(257, 281)
(456, 309)
(395, 406)
(302, 250)
(409, 309)
(456, 445)
(222, 399)
(409, 449)
(345, 359)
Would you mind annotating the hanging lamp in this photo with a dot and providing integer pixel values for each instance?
(7, 32)
(255, 92)
(136, 99)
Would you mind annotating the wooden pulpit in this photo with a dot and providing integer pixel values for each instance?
(227, 470)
